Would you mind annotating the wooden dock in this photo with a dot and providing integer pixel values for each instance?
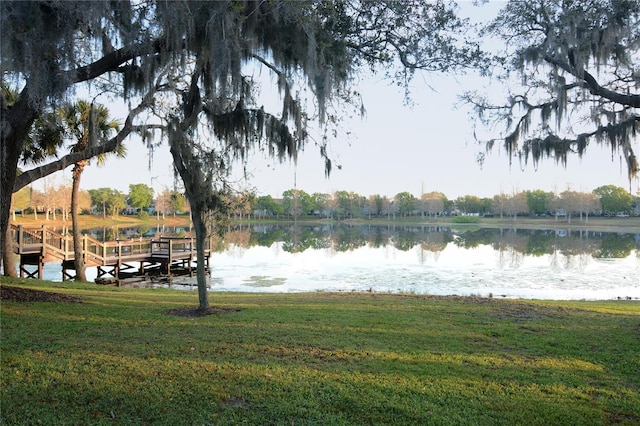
(36, 246)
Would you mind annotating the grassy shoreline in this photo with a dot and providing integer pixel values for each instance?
(118, 357)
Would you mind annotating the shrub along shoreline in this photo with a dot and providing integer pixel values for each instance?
(117, 356)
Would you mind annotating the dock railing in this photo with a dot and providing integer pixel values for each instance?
(51, 244)
(41, 240)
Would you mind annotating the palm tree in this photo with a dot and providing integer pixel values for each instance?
(87, 124)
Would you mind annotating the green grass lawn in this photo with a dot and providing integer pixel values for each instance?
(118, 357)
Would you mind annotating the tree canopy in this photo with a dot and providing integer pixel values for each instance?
(570, 75)
(191, 67)
(140, 195)
(614, 199)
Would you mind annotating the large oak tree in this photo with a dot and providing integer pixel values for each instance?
(186, 63)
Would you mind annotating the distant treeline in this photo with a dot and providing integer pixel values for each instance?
(608, 200)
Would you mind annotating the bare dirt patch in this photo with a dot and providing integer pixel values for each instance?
(236, 403)
(19, 294)
(197, 312)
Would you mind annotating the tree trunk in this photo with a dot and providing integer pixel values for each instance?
(8, 257)
(14, 127)
(78, 258)
(198, 190)
(201, 235)
(7, 179)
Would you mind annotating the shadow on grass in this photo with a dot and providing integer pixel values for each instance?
(19, 294)
(197, 312)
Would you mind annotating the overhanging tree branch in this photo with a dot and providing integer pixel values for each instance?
(594, 87)
(39, 172)
(555, 147)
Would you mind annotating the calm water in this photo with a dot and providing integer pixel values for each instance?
(551, 264)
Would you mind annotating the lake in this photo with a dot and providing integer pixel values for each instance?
(516, 263)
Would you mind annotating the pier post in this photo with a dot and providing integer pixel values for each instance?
(85, 248)
(41, 268)
(44, 242)
(20, 238)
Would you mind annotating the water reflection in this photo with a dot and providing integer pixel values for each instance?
(552, 264)
(341, 238)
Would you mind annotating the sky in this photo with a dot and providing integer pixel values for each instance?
(428, 146)
(394, 148)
